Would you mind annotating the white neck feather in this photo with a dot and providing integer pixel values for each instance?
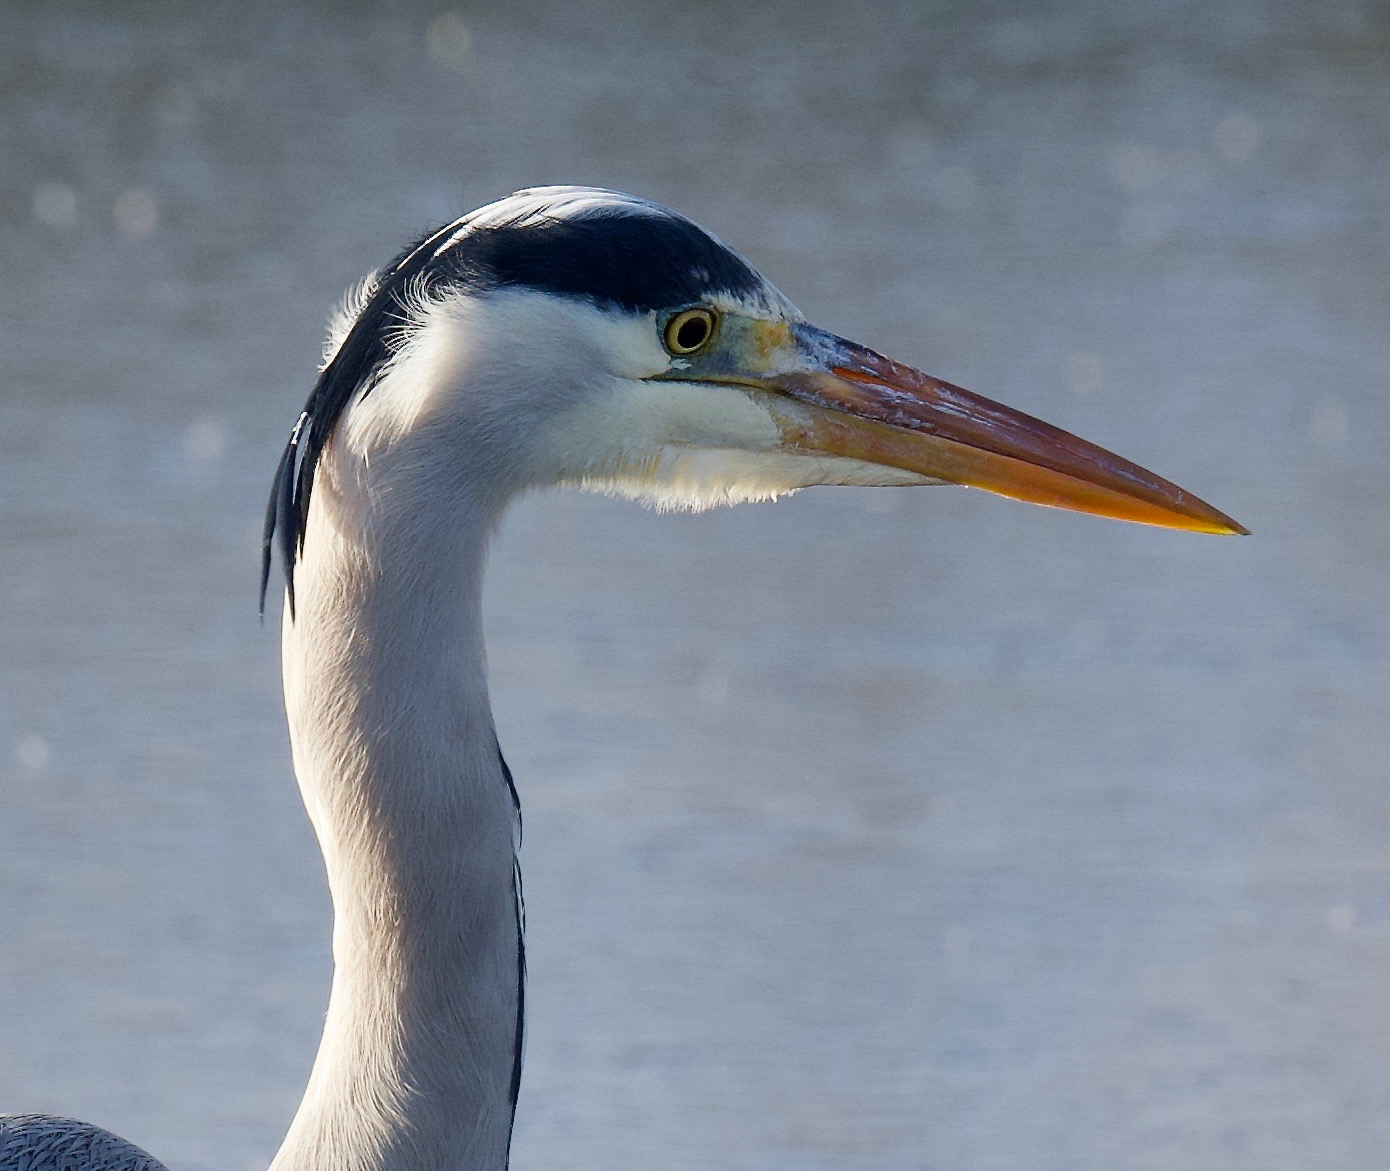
(397, 761)
(386, 689)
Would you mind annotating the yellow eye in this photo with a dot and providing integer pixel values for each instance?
(689, 330)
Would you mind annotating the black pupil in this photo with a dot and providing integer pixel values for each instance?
(691, 333)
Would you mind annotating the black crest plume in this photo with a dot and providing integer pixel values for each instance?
(356, 364)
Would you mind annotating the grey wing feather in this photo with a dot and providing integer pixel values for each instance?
(41, 1142)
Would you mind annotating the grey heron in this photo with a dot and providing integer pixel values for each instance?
(561, 336)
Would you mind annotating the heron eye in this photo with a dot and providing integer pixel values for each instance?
(689, 330)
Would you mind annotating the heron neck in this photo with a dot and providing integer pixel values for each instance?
(398, 765)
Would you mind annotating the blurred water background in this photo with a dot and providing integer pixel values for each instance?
(867, 830)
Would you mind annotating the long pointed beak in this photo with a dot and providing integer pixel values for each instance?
(847, 400)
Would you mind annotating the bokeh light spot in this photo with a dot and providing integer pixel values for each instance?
(1084, 373)
(136, 213)
(1341, 918)
(448, 40)
(204, 445)
(32, 752)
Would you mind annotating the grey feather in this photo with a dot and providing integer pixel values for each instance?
(43, 1142)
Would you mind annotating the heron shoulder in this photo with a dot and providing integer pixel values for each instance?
(45, 1142)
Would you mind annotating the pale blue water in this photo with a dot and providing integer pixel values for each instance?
(866, 830)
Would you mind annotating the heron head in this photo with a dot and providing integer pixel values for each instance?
(579, 336)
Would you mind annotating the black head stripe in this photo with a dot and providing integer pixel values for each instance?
(638, 263)
(614, 250)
